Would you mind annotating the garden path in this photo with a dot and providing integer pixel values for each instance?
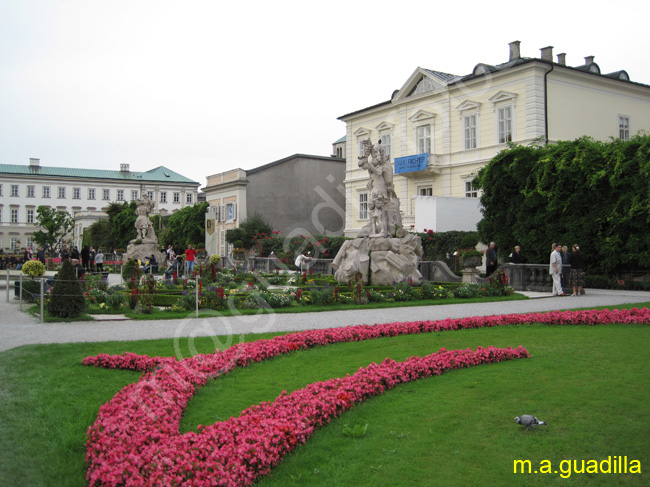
(17, 328)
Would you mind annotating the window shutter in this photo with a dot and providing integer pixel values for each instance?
(234, 211)
(223, 213)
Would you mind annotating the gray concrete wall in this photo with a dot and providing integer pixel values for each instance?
(299, 195)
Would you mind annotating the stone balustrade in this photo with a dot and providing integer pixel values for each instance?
(532, 277)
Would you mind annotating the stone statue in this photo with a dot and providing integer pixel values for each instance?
(146, 237)
(143, 224)
(383, 252)
(383, 204)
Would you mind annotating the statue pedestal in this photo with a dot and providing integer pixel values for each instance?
(144, 250)
(470, 275)
(390, 260)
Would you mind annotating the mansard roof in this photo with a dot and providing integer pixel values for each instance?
(433, 80)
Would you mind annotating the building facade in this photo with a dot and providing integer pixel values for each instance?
(439, 129)
(84, 193)
(298, 195)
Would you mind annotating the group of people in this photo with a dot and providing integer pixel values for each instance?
(561, 256)
(88, 258)
(175, 262)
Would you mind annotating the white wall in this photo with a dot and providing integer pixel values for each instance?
(443, 214)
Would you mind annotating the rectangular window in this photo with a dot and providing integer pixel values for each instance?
(505, 125)
(106, 194)
(177, 197)
(13, 243)
(14, 215)
(30, 216)
(30, 191)
(150, 195)
(134, 194)
(470, 131)
(231, 211)
(91, 193)
(0, 221)
(363, 206)
(61, 192)
(76, 193)
(423, 134)
(470, 190)
(30, 242)
(163, 196)
(425, 191)
(188, 198)
(46, 191)
(120, 195)
(623, 127)
(0, 189)
(386, 142)
(14, 190)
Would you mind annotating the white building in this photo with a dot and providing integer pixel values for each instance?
(439, 129)
(84, 193)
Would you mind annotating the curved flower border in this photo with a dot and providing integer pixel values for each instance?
(136, 441)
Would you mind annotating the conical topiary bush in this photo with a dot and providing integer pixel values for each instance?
(67, 299)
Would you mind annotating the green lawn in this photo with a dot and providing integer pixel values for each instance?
(589, 383)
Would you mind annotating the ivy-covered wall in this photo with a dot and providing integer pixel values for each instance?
(595, 194)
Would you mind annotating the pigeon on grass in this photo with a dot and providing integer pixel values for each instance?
(529, 421)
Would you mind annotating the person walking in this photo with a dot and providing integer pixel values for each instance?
(577, 273)
(85, 257)
(99, 260)
(491, 259)
(555, 269)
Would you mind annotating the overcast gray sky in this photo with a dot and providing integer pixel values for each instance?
(206, 86)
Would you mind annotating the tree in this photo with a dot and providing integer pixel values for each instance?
(186, 226)
(57, 225)
(588, 192)
(122, 218)
(67, 300)
(248, 229)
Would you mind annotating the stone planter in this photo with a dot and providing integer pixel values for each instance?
(472, 261)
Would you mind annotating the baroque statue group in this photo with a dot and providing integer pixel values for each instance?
(383, 252)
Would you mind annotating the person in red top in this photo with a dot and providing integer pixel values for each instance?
(189, 258)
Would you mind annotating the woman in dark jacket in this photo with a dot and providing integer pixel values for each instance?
(577, 275)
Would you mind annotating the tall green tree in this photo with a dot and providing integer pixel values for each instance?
(56, 224)
(186, 226)
(593, 193)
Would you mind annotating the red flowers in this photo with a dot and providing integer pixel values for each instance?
(135, 439)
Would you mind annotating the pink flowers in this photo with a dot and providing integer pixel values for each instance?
(135, 439)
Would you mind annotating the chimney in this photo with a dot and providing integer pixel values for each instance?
(589, 60)
(34, 162)
(547, 53)
(514, 50)
(124, 168)
(561, 59)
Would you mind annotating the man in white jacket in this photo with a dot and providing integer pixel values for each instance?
(555, 269)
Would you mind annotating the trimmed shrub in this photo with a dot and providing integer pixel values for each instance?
(33, 268)
(67, 300)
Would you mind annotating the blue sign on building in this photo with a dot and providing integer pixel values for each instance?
(411, 163)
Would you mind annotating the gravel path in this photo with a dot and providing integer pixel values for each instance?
(17, 328)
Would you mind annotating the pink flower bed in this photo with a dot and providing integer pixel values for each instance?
(136, 441)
